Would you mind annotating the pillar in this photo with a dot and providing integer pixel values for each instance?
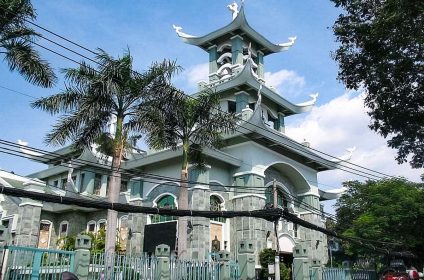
(281, 127)
(316, 241)
(198, 243)
(82, 256)
(248, 228)
(213, 65)
(237, 50)
(29, 212)
(301, 263)
(225, 270)
(260, 63)
(242, 101)
(246, 259)
(136, 223)
(162, 252)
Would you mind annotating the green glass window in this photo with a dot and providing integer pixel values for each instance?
(167, 201)
(215, 205)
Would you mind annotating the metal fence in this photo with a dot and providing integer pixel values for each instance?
(27, 263)
(347, 274)
(194, 270)
(119, 267)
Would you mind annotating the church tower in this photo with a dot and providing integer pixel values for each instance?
(236, 70)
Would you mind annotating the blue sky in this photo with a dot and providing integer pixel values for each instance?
(145, 27)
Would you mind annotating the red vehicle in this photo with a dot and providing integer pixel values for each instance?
(397, 270)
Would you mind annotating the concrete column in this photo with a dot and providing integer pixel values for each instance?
(162, 252)
(213, 65)
(317, 241)
(223, 258)
(301, 263)
(243, 228)
(136, 223)
(260, 70)
(246, 259)
(242, 101)
(237, 50)
(29, 212)
(82, 256)
(281, 127)
(198, 243)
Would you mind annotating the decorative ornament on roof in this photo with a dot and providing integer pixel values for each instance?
(258, 103)
(70, 171)
(234, 9)
(289, 43)
(180, 33)
(310, 102)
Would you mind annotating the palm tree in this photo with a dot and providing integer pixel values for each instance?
(173, 120)
(91, 97)
(16, 43)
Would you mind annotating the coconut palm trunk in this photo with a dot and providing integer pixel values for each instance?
(183, 204)
(114, 186)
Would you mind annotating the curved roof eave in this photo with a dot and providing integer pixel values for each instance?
(256, 124)
(239, 22)
(246, 77)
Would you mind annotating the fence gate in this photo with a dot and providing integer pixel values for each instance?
(122, 267)
(26, 263)
(348, 274)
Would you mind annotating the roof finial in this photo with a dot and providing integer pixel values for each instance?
(234, 9)
(289, 43)
(180, 33)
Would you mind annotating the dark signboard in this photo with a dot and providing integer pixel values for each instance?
(161, 233)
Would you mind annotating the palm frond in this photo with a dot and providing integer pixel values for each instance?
(21, 56)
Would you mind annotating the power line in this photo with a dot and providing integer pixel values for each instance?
(335, 165)
(189, 96)
(81, 162)
(270, 214)
(291, 140)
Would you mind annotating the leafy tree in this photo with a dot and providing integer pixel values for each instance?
(382, 50)
(389, 211)
(175, 120)
(89, 101)
(16, 43)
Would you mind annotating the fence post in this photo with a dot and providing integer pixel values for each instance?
(82, 256)
(36, 265)
(162, 253)
(317, 269)
(246, 258)
(300, 263)
(223, 258)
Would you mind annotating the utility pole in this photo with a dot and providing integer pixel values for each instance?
(276, 245)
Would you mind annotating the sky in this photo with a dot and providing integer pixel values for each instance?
(338, 121)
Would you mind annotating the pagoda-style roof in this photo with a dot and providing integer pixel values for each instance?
(239, 26)
(256, 130)
(247, 80)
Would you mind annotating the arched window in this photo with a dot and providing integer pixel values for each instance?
(44, 234)
(167, 201)
(63, 229)
(215, 205)
(91, 226)
(281, 197)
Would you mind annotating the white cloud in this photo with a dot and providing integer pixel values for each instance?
(189, 78)
(343, 123)
(286, 82)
